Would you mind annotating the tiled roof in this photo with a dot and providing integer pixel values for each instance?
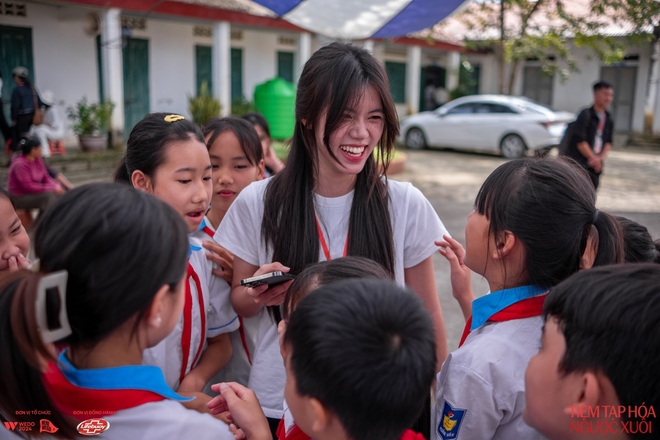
(245, 6)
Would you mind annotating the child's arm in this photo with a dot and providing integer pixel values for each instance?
(461, 275)
(248, 302)
(214, 358)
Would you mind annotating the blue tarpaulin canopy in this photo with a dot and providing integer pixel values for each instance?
(361, 19)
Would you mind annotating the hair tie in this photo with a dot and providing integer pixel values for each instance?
(173, 118)
(593, 220)
(56, 283)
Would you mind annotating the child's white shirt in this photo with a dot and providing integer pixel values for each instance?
(217, 311)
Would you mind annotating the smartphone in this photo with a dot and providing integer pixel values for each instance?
(271, 278)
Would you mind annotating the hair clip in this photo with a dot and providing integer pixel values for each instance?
(52, 290)
(173, 118)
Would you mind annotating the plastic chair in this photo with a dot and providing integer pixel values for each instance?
(56, 147)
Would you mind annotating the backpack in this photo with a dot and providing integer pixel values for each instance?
(566, 139)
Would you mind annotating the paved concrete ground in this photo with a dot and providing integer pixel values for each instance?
(630, 186)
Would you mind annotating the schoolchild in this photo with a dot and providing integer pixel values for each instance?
(529, 231)
(359, 356)
(596, 374)
(330, 201)
(638, 244)
(95, 296)
(273, 164)
(236, 161)
(14, 240)
(166, 156)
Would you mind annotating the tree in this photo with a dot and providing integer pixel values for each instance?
(519, 30)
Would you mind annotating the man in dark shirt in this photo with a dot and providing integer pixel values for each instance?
(591, 140)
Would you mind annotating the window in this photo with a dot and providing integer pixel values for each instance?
(463, 109)
(285, 65)
(236, 74)
(488, 107)
(396, 72)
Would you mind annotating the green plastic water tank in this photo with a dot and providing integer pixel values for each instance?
(276, 99)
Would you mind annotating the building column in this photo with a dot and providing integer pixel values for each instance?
(222, 65)
(113, 70)
(452, 67)
(653, 102)
(413, 69)
(368, 45)
(303, 53)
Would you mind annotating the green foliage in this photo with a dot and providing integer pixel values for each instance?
(542, 29)
(241, 106)
(90, 119)
(203, 106)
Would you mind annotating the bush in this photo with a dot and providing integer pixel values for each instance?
(203, 106)
(90, 119)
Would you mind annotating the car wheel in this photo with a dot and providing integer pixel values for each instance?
(512, 146)
(415, 139)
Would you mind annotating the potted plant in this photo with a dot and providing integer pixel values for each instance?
(203, 106)
(90, 123)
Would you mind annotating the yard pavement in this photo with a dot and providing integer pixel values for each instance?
(630, 186)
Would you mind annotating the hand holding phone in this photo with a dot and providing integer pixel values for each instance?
(270, 278)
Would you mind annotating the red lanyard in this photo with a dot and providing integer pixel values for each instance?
(526, 308)
(208, 231)
(186, 335)
(324, 245)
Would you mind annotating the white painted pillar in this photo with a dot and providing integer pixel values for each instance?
(113, 70)
(303, 53)
(222, 65)
(368, 45)
(413, 69)
(452, 65)
(653, 102)
(379, 52)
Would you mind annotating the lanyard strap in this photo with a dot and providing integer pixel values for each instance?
(324, 244)
(527, 308)
(186, 335)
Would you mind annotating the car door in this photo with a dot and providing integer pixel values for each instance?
(449, 130)
(489, 123)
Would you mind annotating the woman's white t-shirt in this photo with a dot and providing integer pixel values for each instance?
(415, 226)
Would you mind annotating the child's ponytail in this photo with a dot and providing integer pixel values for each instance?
(23, 397)
(610, 239)
(121, 174)
(657, 251)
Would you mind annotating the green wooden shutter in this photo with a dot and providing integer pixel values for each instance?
(99, 63)
(396, 72)
(236, 74)
(204, 67)
(136, 82)
(285, 65)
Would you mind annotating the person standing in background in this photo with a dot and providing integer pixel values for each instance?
(591, 139)
(23, 101)
(4, 127)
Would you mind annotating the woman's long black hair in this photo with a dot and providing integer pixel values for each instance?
(332, 82)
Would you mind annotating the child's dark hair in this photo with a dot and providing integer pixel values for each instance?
(119, 247)
(332, 82)
(549, 205)
(4, 194)
(365, 349)
(244, 131)
(326, 272)
(145, 149)
(609, 318)
(257, 119)
(638, 244)
(28, 143)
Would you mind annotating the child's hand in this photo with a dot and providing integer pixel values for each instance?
(16, 262)
(249, 421)
(222, 257)
(269, 296)
(199, 403)
(461, 275)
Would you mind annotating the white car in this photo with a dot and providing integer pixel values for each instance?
(494, 123)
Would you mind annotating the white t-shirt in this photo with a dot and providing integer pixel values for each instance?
(482, 384)
(415, 227)
(219, 314)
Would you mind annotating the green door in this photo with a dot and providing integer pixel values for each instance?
(285, 65)
(15, 50)
(204, 67)
(136, 82)
(236, 75)
(396, 73)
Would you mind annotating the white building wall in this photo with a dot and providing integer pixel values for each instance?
(64, 57)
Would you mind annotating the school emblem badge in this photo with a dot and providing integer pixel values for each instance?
(450, 421)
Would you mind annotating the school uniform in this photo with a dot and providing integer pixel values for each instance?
(415, 226)
(242, 340)
(135, 400)
(207, 313)
(480, 392)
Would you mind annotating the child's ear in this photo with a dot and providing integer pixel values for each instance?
(504, 244)
(262, 170)
(141, 181)
(157, 315)
(588, 394)
(322, 417)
